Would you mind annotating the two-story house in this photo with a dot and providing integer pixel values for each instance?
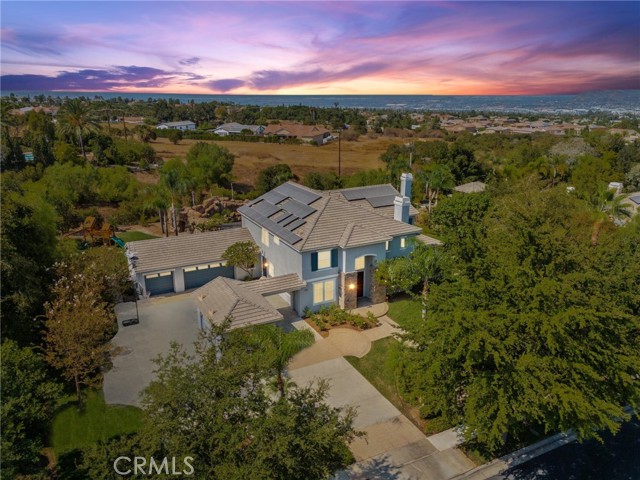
(331, 240)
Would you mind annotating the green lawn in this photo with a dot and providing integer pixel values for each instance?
(402, 309)
(74, 429)
(379, 368)
(133, 236)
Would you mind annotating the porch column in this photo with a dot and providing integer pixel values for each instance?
(377, 292)
(348, 291)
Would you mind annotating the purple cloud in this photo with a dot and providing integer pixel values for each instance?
(93, 79)
(189, 61)
(274, 79)
(226, 84)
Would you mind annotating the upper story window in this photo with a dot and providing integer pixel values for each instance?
(265, 236)
(403, 242)
(387, 245)
(324, 259)
(276, 240)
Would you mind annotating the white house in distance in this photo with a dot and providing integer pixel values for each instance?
(183, 125)
(234, 128)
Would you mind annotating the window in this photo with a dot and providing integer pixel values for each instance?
(324, 291)
(403, 242)
(271, 270)
(324, 259)
(276, 240)
(360, 263)
(387, 245)
(265, 236)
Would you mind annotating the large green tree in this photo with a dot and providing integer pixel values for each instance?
(273, 176)
(79, 323)
(28, 400)
(215, 407)
(28, 244)
(210, 165)
(543, 340)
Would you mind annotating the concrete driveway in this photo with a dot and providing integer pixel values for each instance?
(393, 448)
(162, 320)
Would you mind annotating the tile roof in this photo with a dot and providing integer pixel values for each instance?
(427, 240)
(275, 285)
(295, 130)
(223, 297)
(378, 197)
(184, 250)
(471, 187)
(333, 221)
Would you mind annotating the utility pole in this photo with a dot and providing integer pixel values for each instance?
(339, 152)
(410, 155)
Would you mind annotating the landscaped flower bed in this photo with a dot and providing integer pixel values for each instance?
(333, 316)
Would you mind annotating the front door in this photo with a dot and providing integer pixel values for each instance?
(360, 288)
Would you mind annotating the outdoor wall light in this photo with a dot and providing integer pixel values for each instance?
(352, 286)
(266, 264)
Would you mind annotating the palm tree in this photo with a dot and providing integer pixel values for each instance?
(175, 177)
(427, 263)
(159, 200)
(74, 118)
(282, 346)
(436, 180)
(607, 205)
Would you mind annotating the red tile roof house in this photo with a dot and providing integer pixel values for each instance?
(307, 133)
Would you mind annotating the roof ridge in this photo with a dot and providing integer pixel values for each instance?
(363, 186)
(311, 225)
(346, 234)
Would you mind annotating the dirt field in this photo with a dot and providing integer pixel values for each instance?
(253, 157)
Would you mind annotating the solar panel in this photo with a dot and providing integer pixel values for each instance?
(298, 209)
(273, 197)
(270, 225)
(297, 193)
(286, 218)
(265, 208)
(368, 192)
(298, 223)
(382, 201)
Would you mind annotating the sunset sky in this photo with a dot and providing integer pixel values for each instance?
(379, 47)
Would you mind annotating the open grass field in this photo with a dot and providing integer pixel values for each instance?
(253, 157)
(74, 429)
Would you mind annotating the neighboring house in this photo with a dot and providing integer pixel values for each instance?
(234, 128)
(472, 187)
(175, 264)
(184, 125)
(616, 187)
(331, 240)
(307, 133)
